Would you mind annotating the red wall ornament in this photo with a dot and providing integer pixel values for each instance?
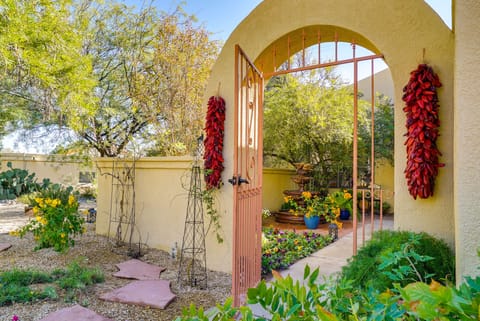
(420, 97)
(214, 128)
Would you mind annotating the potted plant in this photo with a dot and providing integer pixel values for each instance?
(344, 201)
(311, 210)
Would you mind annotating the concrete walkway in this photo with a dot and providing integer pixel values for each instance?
(331, 258)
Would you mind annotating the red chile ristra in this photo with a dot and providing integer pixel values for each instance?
(420, 97)
(214, 128)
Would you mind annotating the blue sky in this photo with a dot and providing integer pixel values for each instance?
(222, 16)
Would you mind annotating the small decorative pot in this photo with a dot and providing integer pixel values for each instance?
(344, 214)
(311, 222)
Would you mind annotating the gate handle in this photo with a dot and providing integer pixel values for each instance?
(238, 181)
(233, 180)
(242, 181)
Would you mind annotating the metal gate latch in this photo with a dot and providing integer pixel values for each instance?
(238, 181)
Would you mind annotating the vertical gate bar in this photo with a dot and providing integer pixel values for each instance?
(381, 210)
(372, 149)
(336, 46)
(363, 216)
(303, 47)
(235, 187)
(258, 256)
(247, 121)
(275, 58)
(355, 148)
(288, 52)
(319, 38)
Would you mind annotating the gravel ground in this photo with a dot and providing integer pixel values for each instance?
(98, 251)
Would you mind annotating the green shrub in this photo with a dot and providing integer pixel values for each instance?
(56, 220)
(363, 269)
(335, 300)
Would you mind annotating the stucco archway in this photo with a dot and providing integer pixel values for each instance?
(401, 30)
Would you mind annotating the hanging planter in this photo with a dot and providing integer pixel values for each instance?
(420, 97)
(214, 128)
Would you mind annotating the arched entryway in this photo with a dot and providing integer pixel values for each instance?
(402, 31)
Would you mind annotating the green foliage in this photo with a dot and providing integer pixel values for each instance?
(208, 197)
(335, 300)
(15, 285)
(391, 250)
(46, 77)
(151, 69)
(280, 249)
(310, 119)
(15, 182)
(384, 130)
(392, 265)
(56, 220)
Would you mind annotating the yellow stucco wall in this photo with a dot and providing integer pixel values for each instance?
(161, 188)
(467, 133)
(275, 181)
(58, 168)
(385, 177)
(400, 30)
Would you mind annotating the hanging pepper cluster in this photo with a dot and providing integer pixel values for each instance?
(420, 96)
(214, 128)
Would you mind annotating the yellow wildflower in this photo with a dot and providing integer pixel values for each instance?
(299, 248)
(275, 249)
(62, 235)
(40, 219)
(307, 195)
(40, 202)
(347, 195)
(35, 210)
(71, 200)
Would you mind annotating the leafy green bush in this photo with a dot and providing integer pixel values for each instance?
(337, 300)
(364, 268)
(56, 219)
(280, 249)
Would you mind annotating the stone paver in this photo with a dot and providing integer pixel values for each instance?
(151, 293)
(136, 269)
(75, 313)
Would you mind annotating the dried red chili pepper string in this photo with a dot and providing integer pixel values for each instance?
(420, 96)
(214, 128)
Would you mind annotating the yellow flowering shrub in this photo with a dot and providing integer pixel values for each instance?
(56, 220)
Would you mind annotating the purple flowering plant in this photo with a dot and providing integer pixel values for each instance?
(280, 249)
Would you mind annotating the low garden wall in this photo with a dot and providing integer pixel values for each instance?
(58, 168)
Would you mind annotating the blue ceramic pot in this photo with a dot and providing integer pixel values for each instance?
(311, 222)
(344, 214)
